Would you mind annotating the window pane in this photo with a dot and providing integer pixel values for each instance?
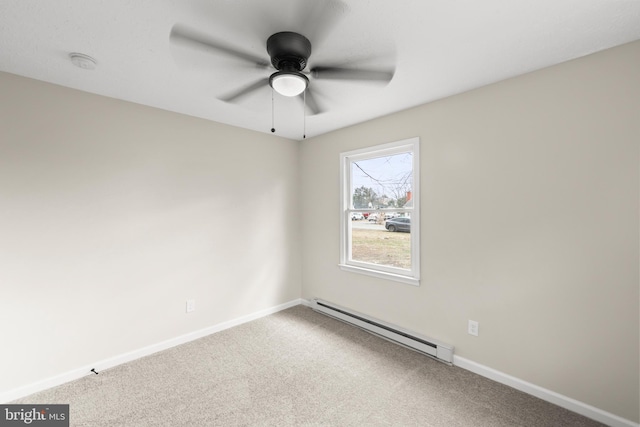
(381, 241)
(382, 182)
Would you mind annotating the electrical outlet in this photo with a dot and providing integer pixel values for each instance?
(191, 305)
(473, 328)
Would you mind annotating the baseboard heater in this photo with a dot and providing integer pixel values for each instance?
(438, 350)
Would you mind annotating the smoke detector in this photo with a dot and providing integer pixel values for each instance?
(82, 61)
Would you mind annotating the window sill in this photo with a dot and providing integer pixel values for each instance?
(380, 274)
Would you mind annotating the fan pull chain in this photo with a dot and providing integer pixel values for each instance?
(273, 129)
(304, 114)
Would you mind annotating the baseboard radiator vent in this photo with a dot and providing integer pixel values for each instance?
(435, 349)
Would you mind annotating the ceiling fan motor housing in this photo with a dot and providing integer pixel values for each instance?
(289, 51)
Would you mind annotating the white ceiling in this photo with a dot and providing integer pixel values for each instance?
(438, 48)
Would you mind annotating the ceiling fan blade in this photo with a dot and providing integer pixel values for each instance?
(338, 73)
(245, 90)
(188, 37)
(310, 101)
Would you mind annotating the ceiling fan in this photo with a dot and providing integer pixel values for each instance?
(289, 53)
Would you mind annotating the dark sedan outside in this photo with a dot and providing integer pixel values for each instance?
(398, 224)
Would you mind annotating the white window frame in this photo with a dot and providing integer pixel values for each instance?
(411, 276)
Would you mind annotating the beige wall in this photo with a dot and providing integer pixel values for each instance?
(530, 225)
(113, 214)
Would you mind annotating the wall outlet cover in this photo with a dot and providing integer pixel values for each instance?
(473, 328)
(191, 305)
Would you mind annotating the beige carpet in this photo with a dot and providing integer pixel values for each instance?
(297, 368)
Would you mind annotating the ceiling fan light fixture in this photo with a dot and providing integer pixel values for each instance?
(288, 83)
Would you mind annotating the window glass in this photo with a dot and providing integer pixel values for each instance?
(379, 207)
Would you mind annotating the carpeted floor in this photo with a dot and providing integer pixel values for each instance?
(297, 368)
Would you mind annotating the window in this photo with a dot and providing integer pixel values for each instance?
(380, 218)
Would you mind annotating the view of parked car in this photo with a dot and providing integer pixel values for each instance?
(386, 215)
(356, 216)
(398, 224)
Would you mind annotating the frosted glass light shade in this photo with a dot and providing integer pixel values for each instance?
(288, 83)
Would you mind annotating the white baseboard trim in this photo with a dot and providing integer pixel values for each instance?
(82, 371)
(544, 394)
